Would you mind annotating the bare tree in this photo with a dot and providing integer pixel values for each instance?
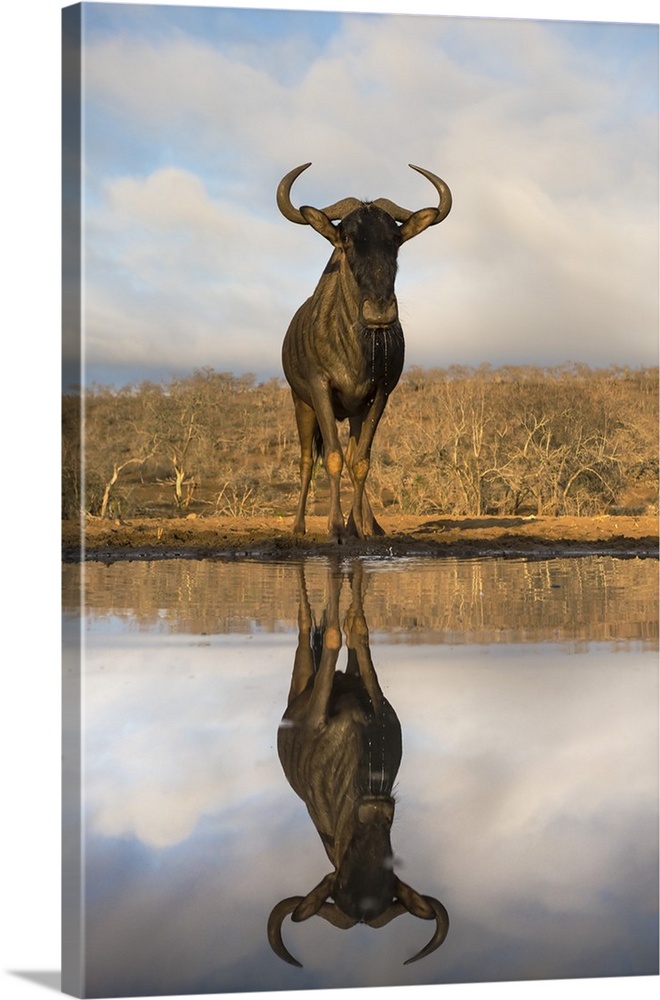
(459, 441)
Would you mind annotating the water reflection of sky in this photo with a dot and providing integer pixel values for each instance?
(527, 802)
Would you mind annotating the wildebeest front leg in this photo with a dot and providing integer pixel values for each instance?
(358, 459)
(332, 454)
(307, 424)
(357, 638)
(317, 708)
(303, 663)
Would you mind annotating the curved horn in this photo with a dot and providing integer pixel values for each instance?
(334, 212)
(300, 908)
(277, 915)
(294, 905)
(444, 205)
(427, 908)
(341, 209)
(400, 214)
(441, 929)
(284, 198)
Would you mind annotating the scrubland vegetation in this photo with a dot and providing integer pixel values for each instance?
(559, 441)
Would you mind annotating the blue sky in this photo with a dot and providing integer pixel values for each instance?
(546, 133)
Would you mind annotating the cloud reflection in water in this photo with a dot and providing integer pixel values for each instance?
(527, 796)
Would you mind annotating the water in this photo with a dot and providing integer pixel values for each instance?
(526, 798)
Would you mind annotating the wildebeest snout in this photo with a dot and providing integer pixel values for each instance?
(377, 312)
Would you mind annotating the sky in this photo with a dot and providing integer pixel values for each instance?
(546, 132)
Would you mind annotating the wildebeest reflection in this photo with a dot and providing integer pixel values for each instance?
(339, 744)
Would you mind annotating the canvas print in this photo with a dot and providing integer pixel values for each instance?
(359, 499)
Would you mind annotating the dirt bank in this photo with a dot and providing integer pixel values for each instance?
(270, 537)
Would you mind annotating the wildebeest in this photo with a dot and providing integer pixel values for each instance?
(343, 352)
(339, 744)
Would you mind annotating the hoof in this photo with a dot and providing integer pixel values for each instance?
(336, 530)
(370, 529)
(352, 528)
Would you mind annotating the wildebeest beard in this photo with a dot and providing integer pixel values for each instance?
(365, 883)
(383, 351)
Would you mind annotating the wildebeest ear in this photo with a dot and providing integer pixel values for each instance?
(321, 223)
(313, 901)
(418, 222)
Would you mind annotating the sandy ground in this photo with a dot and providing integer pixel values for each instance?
(271, 537)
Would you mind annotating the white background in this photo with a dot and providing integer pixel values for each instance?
(30, 883)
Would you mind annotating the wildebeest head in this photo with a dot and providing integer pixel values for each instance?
(374, 895)
(364, 884)
(370, 239)
(367, 239)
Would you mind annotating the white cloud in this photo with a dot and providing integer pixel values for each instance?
(527, 801)
(539, 786)
(174, 271)
(550, 251)
(154, 712)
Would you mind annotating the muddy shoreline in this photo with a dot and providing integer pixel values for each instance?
(271, 538)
